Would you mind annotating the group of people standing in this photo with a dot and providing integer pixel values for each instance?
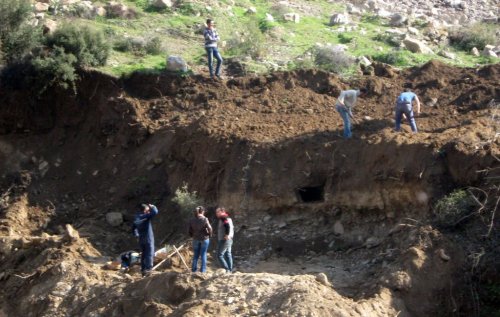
(199, 229)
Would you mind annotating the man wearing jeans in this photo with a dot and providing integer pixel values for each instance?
(404, 105)
(143, 231)
(201, 231)
(211, 37)
(345, 102)
(225, 233)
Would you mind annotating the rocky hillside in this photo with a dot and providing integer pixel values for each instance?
(270, 35)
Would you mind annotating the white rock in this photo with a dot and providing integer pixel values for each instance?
(99, 11)
(114, 219)
(364, 61)
(323, 279)
(293, 17)
(339, 18)
(338, 228)
(416, 46)
(412, 30)
(176, 63)
(488, 51)
(269, 18)
(41, 7)
(447, 54)
(252, 10)
(475, 51)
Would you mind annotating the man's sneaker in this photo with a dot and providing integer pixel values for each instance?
(146, 273)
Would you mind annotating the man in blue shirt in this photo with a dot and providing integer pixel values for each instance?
(404, 105)
(143, 230)
(211, 38)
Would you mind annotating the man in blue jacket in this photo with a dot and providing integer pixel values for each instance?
(143, 230)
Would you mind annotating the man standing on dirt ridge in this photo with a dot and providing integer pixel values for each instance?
(345, 102)
(404, 105)
(225, 234)
(211, 38)
(143, 231)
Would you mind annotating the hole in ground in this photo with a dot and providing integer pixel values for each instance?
(311, 194)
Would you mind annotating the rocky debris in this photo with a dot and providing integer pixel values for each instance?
(176, 63)
(416, 46)
(364, 61)
(292, 17)
(100, 11)
(114, 219)
(338, 228)
(475, 51)
(162, 4)
(400, 281)
(339, 19)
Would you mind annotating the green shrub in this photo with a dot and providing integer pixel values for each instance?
(56, 69)
(451, 209)
(333, 60)
(250, 43)
(345, 38)
(17, 37)
(478, 35)
(139, 46)
(88, 45)
(186, 200)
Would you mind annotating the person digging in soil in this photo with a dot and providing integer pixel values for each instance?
(201, 231)
(211, 38)
(143, 231)
(225, 233)
(345, 102)
(404, 105)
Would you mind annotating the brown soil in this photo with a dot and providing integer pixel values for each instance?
(304, 200)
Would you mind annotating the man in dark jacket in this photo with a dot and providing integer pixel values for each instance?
(143, 230)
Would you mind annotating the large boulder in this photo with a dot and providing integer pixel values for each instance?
(176, 63)
(339, 18)
(293, 17)
(416, 46)
(162, 4)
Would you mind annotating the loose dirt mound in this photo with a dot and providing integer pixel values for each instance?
(305, 201)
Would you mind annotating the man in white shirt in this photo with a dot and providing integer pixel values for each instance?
(345, 102)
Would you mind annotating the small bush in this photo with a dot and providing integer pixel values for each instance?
(451, 209)
(397, 58)
(56, 69)
(345, 38)
(186, 200)
(333, 60)
(250, 43)
(139, 46)
(478, 35)
(89, 46)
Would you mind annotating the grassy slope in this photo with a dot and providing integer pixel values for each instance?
(280, 42)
